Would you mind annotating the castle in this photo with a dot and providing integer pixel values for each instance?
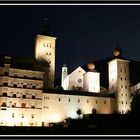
(28, 98)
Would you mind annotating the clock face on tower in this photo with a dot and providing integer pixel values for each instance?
(79, 80)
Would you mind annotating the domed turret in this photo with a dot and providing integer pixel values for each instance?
(117, 51)
(91, 66)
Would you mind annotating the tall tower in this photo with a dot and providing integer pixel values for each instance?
(64, 74)
(119, 81)
(91, 79)
(45, 52)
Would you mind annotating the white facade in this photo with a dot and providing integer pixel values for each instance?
(64, 75)
(74, 81)
(92, 82)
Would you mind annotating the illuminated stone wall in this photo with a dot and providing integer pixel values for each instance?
(45, 51)
(57, 107)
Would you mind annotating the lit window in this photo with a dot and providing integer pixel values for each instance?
(96, 101)
(32, 115)
(78, 100)
(23, 105)
(13, 115)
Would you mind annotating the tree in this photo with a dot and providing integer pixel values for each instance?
(135, 104)
(79, 112)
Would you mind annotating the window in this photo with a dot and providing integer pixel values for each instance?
(34, 87)
(121, 70)
(122, 102)
(15, 85)
(23, 105)
(59, 99)
(5, 84)
(23, 96)
(32, 115)
(14, 96)
(6, 73)
(4, 94)
(22, 116)
(3, 104)
(96, 101)
(33, 97)
(78, 100)
(121, 78)
(121, 86)
(87, 101)
(24, 86)
(104, 101)
(33, 106)
(14, 105)
(126, 103)
(126, 95)
(125, 87)
(69, 99)
(122, 94)
(13, 115)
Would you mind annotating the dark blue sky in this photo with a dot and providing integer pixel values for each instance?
(84, 33)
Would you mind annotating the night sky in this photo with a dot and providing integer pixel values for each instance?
(84, 33)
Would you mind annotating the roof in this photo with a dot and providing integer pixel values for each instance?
(26, 63)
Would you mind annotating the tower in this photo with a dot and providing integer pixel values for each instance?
(45, 52)
(119, 81)
(64, 74)
(91, 79)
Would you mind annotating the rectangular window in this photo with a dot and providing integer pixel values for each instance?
(22, 116)
(24, 96)
(32, 115)
(69, 99)
(14, 96)
(78, 100)
(122, 102)
(34, 87)
(24, 86)
(13, 115)
(33, 97)
(96, 101)
(104, 101)
(87, 101)
(5, 84)
(15, 85)
(59, 99)
(23, 105)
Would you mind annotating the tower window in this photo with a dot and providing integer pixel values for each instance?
(121, 78)
(32, 115)
(69, 99)
(78, 100)
(59, 99)
(87, 101)
(122, 102)
(104, 101)
(22, 115)
(96, 101)
(121, 86)
(13, 115)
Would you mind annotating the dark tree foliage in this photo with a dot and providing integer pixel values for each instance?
(135, 104)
